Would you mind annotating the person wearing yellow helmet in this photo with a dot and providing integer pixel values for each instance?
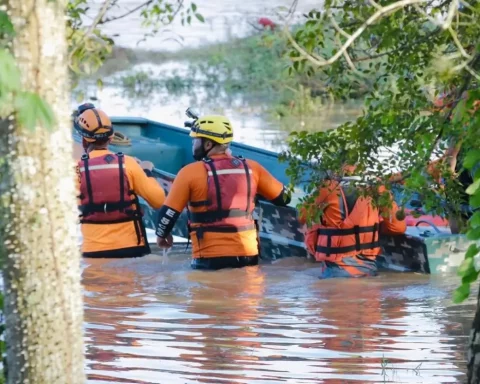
(219, 192)
(210, 131)
(109, 185)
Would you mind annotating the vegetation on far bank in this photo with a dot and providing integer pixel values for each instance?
(256, 66)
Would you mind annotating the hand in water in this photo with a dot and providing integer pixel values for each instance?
(165, 242)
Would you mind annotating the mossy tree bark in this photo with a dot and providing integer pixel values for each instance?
(43, 303)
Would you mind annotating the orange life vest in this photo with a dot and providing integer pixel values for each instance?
(230, 202)
(105, 193)
(357, 234)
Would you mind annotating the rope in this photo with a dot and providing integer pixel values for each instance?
(120, 139)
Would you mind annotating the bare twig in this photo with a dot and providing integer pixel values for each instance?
(293, 8)
(99, 17)
(472, 72)
(337, 27)
(145, 4)
(458, 44)
(468, 6)
(451, 12)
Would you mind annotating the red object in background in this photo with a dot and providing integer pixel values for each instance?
(266, 22)
(436, 220)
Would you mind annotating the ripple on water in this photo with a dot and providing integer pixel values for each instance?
(240, 326)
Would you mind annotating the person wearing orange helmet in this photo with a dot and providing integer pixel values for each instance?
(109, 185)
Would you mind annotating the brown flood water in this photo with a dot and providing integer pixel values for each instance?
(154, 320)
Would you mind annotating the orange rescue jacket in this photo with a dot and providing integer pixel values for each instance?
(349, 226)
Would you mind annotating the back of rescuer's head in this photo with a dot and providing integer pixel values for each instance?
(93, 125)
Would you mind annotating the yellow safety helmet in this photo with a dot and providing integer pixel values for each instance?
(92, 123)
(214, 127)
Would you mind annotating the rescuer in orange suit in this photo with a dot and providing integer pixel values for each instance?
(345, 241)
(109, 185)
(219, 190)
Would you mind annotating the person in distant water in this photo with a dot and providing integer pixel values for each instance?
(346, 240)
(109, 185)
(220, 191)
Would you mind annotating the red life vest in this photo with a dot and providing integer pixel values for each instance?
(230, 201)
(105, 194)
(357, 234)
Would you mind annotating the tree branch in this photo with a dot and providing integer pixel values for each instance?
(99, 17)
(95, 22)
(451, 12)
(145, 4)
(381, 12)
(457, 43)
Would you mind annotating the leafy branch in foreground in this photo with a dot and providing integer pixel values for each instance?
(419, 122)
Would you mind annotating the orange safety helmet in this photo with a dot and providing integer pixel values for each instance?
(92, 123)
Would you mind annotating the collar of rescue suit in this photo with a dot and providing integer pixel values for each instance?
(219, 155)
(98, 152)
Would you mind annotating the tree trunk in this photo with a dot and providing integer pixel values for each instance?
(43, 303)
(473, 353)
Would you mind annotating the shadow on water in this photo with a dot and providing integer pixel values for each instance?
(154, 320)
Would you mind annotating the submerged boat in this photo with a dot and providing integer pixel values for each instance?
(425, 248)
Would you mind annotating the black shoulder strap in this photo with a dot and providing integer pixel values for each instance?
(249, 182)
(121, 178)
(85, 158)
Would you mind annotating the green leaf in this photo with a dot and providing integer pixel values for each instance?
(472, 188)
(472, 251)
(460, 111)
(199, 17)
(461, 293)
(472, 158)
(465, 267)
(9, 73)
(194, 7)
(475, 220)
(100, 84)
(475, 201)
(6, 26)
(33, 110)
(473, 234)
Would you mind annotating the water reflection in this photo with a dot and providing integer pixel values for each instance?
(156, 321)
(249, 113)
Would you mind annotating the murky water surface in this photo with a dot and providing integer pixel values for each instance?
(154, 320)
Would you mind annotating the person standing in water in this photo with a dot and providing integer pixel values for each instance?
(219, 190)
(345, 241)
(109, 185)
